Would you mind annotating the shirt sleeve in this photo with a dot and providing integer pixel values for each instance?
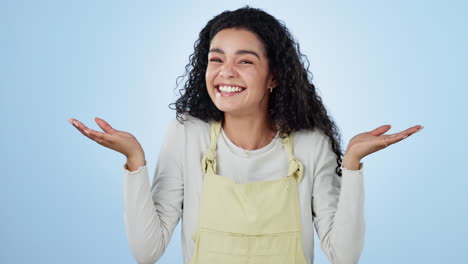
(338, 207)
(152, 212)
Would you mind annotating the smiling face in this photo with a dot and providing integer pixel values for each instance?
(237, 58)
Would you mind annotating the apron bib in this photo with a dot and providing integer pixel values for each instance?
(254, 223)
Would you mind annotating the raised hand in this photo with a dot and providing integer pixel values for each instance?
(366, 143)
(119, 141)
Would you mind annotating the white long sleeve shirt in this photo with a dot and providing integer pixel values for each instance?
(333, 204)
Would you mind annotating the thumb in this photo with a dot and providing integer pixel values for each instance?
(104, 125)
(380, 130)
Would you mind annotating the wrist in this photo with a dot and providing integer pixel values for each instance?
(134, 162)
(351, 163)
(139, 155)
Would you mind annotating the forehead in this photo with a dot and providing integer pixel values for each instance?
(231, 39)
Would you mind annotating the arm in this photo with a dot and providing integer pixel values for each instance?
(338, 203)
(338, 207)
(152, 212)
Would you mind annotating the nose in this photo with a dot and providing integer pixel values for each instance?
(227, 70)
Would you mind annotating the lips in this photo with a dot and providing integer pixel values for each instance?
(228, 93)
(226, 84)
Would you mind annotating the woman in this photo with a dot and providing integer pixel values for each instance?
(252, 161)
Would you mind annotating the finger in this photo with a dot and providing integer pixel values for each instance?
(414, 129)
(408, 132)
(104, 125)
(394, 138)
(97, 136)
(380, 130)
(388, 140)
(80, 126)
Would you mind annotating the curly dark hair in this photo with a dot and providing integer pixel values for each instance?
(294, 104)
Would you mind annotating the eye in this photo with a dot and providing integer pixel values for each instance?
(215, 60)
(246, 61)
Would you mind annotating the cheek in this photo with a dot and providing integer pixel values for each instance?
(209, 75)
(255, 78)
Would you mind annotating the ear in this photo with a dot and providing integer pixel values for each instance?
(273, 82)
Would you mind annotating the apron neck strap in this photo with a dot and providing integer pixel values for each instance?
(296, 168)
(209, 159)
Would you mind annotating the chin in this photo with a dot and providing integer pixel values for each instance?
(226, 108)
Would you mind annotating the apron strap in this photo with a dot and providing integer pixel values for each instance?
(295, 166)
(296, 169)
(209, 158)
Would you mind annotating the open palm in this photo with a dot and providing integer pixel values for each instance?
(117, 140)
(366, 143)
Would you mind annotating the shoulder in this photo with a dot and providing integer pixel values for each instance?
(309, 137)
(310, 143)
(183, 133)
(188, 125)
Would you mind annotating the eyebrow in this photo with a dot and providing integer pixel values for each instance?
(239, 52)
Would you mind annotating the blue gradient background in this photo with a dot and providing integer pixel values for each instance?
(374, 62)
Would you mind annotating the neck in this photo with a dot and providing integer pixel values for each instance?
(249, 132)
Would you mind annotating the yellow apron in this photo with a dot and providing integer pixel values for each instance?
(255, 223)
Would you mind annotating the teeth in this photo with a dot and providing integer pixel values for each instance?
(229, 89)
